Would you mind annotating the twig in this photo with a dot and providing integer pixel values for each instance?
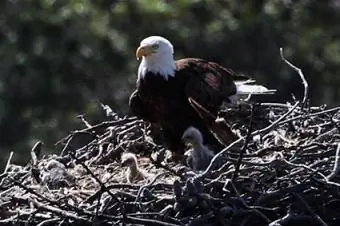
(48, 221)
(303, 166)
(8, 162)
(289, 217)
(336, 167)
(82, 118)
(36, 152)
(244, 148)
(60, 212)
(310, 210)
(143, 221)
(299, 71)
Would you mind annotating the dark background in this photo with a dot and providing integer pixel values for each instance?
(61, 58)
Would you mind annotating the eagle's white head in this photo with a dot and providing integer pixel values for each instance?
(157, 57)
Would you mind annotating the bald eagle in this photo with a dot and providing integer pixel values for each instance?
(164, 86)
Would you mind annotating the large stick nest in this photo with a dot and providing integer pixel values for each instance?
(281, 170)
(287, 174)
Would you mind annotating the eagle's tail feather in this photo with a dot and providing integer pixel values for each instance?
(241, 82)
(244, 88)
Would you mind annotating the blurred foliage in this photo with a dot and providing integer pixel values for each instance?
(62, 58)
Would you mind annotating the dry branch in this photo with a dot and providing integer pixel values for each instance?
(299, 71)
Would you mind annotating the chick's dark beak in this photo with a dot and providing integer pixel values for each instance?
(124, 163)
(186, 141)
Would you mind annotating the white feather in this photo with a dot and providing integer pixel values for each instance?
(164, 66)
(245, 82)
(244, 88)
(254, 89)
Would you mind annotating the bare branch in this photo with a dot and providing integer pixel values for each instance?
(8, 161)
(299, 71)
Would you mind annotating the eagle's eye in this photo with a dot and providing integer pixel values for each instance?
(155, 46)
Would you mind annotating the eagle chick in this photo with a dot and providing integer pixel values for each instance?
(199, 155)
(133, 172)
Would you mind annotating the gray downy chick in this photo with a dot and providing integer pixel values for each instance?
(199, 155)
(133, 172)
(56, 175)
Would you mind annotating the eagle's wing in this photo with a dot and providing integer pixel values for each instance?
(142, 109)
(208, 83)
(217, 126)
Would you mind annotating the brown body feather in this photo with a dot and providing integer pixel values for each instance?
(165, 102)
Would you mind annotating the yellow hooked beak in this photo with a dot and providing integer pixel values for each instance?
(143, 51)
